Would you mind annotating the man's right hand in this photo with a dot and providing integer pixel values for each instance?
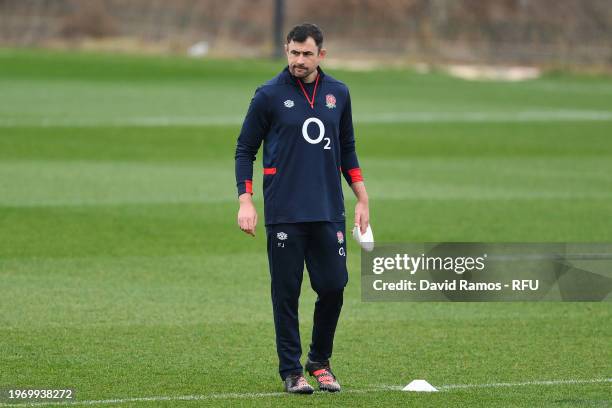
(247, 215)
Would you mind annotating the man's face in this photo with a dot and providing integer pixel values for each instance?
(303, 57)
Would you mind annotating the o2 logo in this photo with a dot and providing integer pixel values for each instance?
(321, 133)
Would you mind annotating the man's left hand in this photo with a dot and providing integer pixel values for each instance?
(362, 215)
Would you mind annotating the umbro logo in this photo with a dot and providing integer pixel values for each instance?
(289, 103)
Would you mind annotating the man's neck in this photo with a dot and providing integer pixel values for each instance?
(310, 78)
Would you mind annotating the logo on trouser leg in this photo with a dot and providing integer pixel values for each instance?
(341, 251)
(340, 237)
(282, 236)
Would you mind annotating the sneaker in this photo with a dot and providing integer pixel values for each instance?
(322, 372)
(297, 384)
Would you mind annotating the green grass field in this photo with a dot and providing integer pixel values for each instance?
(124, 274)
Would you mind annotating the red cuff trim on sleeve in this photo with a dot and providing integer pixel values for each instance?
(269, 170)
(355, 175)
(248, 184)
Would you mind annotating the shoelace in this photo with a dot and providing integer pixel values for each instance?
(301, 382)
(324, 375)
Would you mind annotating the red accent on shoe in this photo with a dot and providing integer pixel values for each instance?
(323, 376)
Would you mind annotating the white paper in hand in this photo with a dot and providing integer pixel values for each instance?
(366, 240)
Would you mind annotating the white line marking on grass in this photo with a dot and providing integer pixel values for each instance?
(389, 117)
(509, 384)
(525, 383)
(477, 117)
(247, 395)
(221, 396)
(151, 399)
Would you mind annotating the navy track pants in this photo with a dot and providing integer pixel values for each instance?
(322, 246)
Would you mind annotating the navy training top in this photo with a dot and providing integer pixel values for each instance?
(305, 148)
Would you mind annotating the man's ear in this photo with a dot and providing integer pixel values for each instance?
(322, 53)
(286, 48)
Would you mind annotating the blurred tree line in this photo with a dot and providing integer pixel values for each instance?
(567, 32)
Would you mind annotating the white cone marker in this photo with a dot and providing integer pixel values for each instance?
(420, 386)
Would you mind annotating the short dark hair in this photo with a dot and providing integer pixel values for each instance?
(300, 33)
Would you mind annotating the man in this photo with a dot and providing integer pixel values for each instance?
(304, 118)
